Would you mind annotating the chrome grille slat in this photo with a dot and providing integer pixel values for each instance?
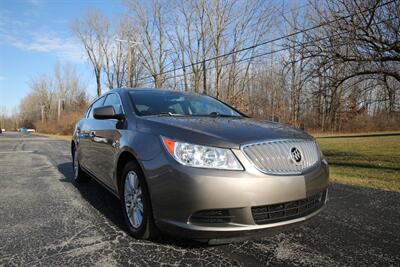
(274, 157)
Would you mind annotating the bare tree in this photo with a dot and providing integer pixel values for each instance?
(359, 44)
(150, 22)
(93, 33)
(296, 62)
(325, 64)
(47, 91)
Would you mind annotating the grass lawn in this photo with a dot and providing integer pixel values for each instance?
(372, 161)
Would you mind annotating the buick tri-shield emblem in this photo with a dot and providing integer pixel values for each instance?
(295, 154)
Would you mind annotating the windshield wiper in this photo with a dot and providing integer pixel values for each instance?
(212, 114)
(217, 114)
(170, 114)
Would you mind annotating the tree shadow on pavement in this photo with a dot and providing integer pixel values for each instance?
(108, 205)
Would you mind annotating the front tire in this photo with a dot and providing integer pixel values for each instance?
(136, 205)
(79, 174)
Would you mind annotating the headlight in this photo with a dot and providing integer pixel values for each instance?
(202, 156)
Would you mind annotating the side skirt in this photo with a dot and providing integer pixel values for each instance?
(100, 182)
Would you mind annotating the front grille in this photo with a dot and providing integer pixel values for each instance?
(288, 210)
(278, 157)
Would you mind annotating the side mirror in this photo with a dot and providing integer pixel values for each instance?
(107, 112)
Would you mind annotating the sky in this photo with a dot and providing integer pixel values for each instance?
(35, 35)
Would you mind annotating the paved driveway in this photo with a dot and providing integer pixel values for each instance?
(46, 219)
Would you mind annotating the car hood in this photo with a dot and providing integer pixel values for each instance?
(220, 131)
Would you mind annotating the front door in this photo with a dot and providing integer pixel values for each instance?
(105, 142)
(85, 136)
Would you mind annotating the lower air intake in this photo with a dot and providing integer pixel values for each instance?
(288, 210)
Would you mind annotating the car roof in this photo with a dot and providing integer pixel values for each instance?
(121, 90)
(148, 89)
(155, 90)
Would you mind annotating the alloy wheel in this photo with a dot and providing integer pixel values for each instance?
(76, 165)
(133, 199)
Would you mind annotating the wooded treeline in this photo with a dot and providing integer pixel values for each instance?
(55, 102)
(325, 65)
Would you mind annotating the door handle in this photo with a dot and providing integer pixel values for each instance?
(115, 144)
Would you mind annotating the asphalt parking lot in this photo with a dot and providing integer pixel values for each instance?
(47, 220)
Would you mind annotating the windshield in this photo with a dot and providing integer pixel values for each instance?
(152, 102)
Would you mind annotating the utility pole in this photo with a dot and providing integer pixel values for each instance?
(2, 121)
(204, 77)
(131, 44)
(42, 110)
(130, 66)
(60, 101)
(3, 112)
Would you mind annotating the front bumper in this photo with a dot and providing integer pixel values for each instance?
(178, 193)
(222, 235)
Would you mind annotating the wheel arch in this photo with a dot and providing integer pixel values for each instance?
(123, 158)
(72, 147)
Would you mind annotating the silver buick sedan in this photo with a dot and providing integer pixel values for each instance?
(191, 165)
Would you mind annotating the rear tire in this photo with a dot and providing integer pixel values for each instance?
(79, 174)
(136, 204)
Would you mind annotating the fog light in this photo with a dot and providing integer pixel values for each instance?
(211, 216)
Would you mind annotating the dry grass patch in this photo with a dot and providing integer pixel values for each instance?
(372, 161)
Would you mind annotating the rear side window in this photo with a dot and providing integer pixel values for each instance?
(98, 103)
(115, 101)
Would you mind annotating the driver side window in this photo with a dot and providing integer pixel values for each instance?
(115, 101)
(96, 104)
